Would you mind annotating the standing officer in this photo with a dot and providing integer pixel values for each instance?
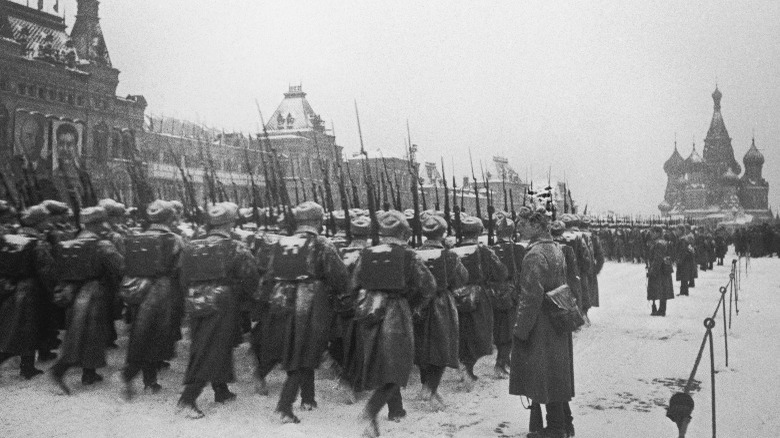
(304, 274)
(659, 272)
(219, 273)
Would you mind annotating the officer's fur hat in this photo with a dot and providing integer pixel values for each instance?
(433, 226)
(505, 226)
(222, 213)
(360, 226)
(471, 226)
(34, 215)
(113, 208)
(93, 215)
(160, 211)
(393, 225)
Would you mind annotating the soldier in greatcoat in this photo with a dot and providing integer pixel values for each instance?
(685, 257)
(219, 273)
(53, 316)
(390, 280)
(475, 309)
(568, 245)
(304, 274)
(542, 366)
(436, 329)
(597, 252)
(659, 272)
(117, 232)
(87, 267)
(505, 294)
(583, 255)
(26, 282)
(152, 291)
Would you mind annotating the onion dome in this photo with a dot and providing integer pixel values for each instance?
(753, 157)
(674, 164)
(694, 161)
(664, 207)
(729, 177)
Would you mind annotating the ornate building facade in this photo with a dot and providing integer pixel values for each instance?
(58, 103)
(708, 185)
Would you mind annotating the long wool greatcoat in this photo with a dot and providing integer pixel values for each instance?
(86, 335)
(659, 271)
(307, 329)
(215, 335)
(573, 278)
(598, 263)
(686, 259)
(476, 328)
(22, 306)
(155, 328)
(504, 320)
(388, 345)
(541, 365)
(436, 336)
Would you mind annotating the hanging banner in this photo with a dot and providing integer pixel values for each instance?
(67, 139)
(31, 139)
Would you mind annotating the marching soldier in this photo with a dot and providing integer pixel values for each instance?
(116, 232)
(390, 279)
(584, 258)
(219, 273)
(686, 260)
(26, 281)
(436, 326)
(597, 252)
(505, 293)
(87, 267)
(568, 245)
(659, 272)
(475, 310)
(152, 291)
(304, 274)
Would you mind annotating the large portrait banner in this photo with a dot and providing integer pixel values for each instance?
(67, 140)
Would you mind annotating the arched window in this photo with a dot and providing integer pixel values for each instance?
(100, 142)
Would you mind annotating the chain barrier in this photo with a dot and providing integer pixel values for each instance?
(681, 404)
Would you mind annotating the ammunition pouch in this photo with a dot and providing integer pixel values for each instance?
(561, 307)
(467, 298)
(202, 299)
(371, 306)
(133, 290)
(503, 295)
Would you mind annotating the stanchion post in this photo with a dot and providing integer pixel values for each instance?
(731, 295)
(709, 323)
(725, 326)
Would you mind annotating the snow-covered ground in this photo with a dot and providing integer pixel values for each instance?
(627, 365)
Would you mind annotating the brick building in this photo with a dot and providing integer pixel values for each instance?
(58, 103)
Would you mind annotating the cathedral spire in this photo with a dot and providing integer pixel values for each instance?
(716, 95)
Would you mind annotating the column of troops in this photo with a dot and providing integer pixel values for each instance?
(377, 306)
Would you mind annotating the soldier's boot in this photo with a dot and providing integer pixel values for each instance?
(46, 355)
(654, 312)
(425, 393)
(4, 357)
(348, 392)
(57, 375)
(222, 394)
(535, 420)
(372, 428)
(684, 288)
(437, 402)
(89, 377)
(190, 411)
(308, 405)
(27, 368)
(287, 417)
(261, 386)
(128, 390)
(499, 372)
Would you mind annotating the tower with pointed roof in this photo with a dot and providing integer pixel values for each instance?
(707, 185)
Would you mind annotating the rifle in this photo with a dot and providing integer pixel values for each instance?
(369, 184)
(187, 186)
(9, 194)
(436, 190)
(325, 169)
(355, 194)
(295, 182)
(417, 226)
(255, 213)
(73, 195)
(456, 208)
(503, 187)
(422, 194)
(446, 199)
(392, 190)
(398, 192)
(512, 204)
(343, 195)
(490, 208)
(476, 187)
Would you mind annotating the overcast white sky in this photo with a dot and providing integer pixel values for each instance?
(596, 89)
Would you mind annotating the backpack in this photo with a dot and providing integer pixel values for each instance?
(290, 259)
(382, 268)
(78, 260)
(17, 256)
(149, 255)
(206, 260)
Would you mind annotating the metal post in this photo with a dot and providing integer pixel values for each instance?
(712, 375)
(725, 327)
